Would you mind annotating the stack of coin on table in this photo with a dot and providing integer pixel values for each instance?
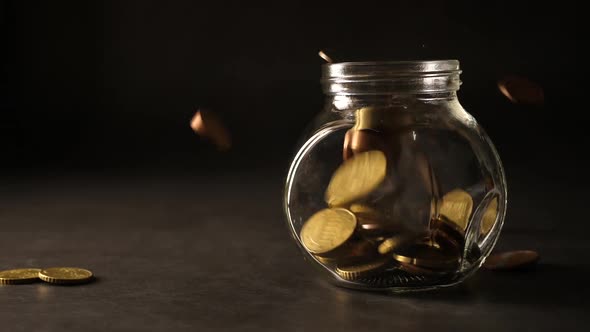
(357, 241)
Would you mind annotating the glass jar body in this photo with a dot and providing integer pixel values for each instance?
(412, 185)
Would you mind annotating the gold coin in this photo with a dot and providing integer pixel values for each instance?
(448, 235)
(489, 216)
(65, 275)
(356, 178)
(392, 243)
(512, 260)
(351, 252)
(365, 211)
(521, 90)
(456, 206)
(19, 276)
(327, 230)
(370, 118)
(352, 272)
(427, 256)
(208, 125)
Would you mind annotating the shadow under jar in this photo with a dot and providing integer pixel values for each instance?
(395, 186)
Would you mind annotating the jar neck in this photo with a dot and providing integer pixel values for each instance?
(404, 102)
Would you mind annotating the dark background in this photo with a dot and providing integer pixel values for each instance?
(100, 169)
(112, 85)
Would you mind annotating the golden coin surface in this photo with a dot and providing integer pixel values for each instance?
(356, 178)
(457, 206)
(489, 216)
(352, 251)
(327, 230)
(365, 211)
(352, 272)
(448, 235)
(392, 243)
(427, 256)
(512, 260)
(19, 276)
(65, 275)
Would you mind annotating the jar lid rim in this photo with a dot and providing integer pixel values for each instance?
(348, 69)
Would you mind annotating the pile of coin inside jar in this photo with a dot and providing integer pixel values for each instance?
(353, 237)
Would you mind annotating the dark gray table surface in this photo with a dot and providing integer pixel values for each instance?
(200, 253)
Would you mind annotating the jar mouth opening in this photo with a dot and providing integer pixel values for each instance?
(389, 68)
(383, 77)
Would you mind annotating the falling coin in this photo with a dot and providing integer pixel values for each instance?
(521, 90)
(356, 178)
(325, 56)
(65, 275)
(512, 260)
(328, 230)
(19, 276)
(207, 124)
(489, 216)
(456, 206)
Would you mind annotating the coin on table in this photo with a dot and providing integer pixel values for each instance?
(356, 178)
(427, 256)
(327, 230)
(355, 271)
(512, 260)
(19, 276)
(65, 275)
(457, 206)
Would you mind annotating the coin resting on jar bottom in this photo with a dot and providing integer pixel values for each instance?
(395, 242)
(355, 271)
(352, 252)
(427, 256)
(356, 178)
(448, 235)
(327, 230)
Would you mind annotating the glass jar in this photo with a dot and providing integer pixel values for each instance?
(395, 187)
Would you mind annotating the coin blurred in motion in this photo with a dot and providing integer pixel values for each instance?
(521, 90)
(328, 230)
(365, 211)
(456, 206)
(489, 216)
(357, 141)
(325, 56)
(19, 276)
(352, 272)
(65, 275)
(208, 125)
(512, 260)
(356, 178)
